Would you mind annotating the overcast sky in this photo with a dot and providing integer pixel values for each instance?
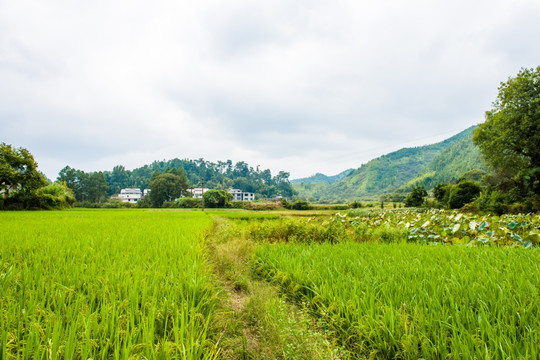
(300, 86)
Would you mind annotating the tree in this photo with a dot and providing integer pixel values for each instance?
(463, 193)
(217, 198)
(18, 170)
(167, 187)
(416, 196)
(95, 186)
(509, 138)
(440, 192)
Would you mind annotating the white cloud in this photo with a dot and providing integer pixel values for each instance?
(298, 86)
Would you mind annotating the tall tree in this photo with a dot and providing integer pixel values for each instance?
(18, 170)
(167, 187)
(510, 137)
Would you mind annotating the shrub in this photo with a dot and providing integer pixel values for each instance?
(355, 205)
(463, 193)
(300, 205)
(416, 196)
(188, 203)
(216, 198)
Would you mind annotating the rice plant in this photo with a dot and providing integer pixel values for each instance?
(412, 301)
(105, 284)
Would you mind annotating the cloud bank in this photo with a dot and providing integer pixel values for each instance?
(298, 86)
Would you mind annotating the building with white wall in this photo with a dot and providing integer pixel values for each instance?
(131, 195)
(198, 192)
(239, 195)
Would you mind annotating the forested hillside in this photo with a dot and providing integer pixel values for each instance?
(392, 172)
(319, 178)
(97, 186)
(451, 164)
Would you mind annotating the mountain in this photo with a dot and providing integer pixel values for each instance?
(400, 170)
(451, 164)
(319, 178)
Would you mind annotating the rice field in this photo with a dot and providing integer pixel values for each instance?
(114, 284)
(138, 284)
(411, 301)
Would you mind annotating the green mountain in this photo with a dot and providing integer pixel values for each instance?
(462, 159)
(399, 170)
(319, 178)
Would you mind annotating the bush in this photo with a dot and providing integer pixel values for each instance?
(298, 231)
(262, 206)
(416, 196)
(188, 203)
(355, 205)
(216, 198)
(300, 205)
(463, 193)
(118, 204)
(52, 196)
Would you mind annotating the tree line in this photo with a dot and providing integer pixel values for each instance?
(97, 187)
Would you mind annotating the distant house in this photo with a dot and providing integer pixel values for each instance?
(239, 195)
(198, 192)
(131, 195)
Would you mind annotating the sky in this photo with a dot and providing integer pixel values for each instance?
(300, 86)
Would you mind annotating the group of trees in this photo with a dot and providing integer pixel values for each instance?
(169, 180)
(509, 141)
(221, 175)
(22, 186)
(87, 187)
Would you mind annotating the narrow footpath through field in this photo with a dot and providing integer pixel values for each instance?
(254, 322)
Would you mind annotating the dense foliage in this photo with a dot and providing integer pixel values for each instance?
(168, 187)
(98, 186)
(459, 160)
(509, 140)
(217, 198)
(87, 187)
(416, 197)
(22, 186)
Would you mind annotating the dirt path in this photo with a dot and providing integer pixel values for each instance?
(255, 322)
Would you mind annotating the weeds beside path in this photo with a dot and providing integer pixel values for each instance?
(254, 322)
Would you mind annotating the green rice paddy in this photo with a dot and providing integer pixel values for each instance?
(138, 284)
(104, 284)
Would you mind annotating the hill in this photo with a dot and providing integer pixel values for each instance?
(451, 164)
(319, 178)
(399, 170)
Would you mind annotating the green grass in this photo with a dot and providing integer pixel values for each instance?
(106, 284)
(415, 301)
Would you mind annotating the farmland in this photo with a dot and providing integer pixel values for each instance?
(116, 284)
(104, 284)
(414, 301)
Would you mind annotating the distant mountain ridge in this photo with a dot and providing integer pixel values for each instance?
(319, 178)
(400, 170)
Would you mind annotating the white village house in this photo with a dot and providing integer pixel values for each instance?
(239, 195)
(132, 195)
(198, 192)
